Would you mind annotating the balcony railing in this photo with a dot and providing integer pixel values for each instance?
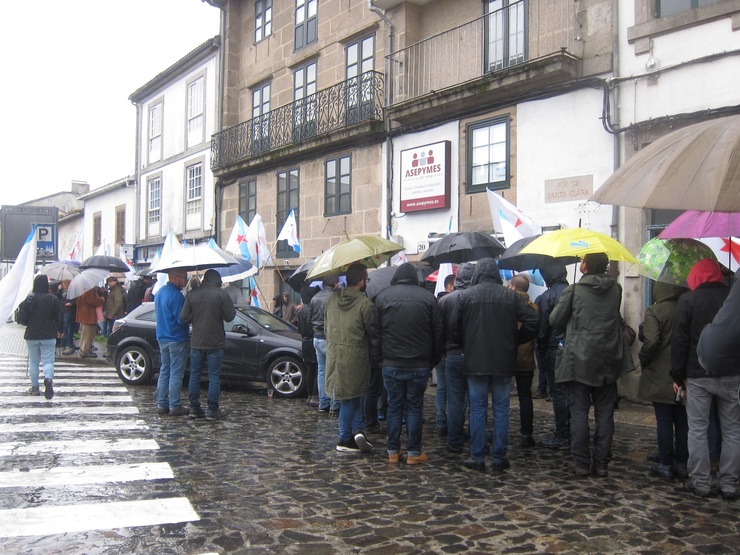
(350, 102)
(514, 35)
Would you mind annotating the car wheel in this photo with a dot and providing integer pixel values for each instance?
(134, 366)
(287, 376)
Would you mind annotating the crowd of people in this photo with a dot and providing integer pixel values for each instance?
(482, 337)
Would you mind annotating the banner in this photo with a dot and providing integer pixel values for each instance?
(18, 282)
(509, 220)
(289, 233)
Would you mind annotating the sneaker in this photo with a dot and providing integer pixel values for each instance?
(215, 415)
(48, 388)
(526, 442)
(691, 488)
(348, 446)
(88, 354)
(324, 409)
(162, 410)
(475, 464)
(500, 466)
(33, 390)
(581, 471)
(68, 351)
(417, 459)
(727, 495)
(313, 402)
(179, 411)
(664, 472)
(362, 443)
(539, 394)
(196, 412)
(393, 458)
(553, 442)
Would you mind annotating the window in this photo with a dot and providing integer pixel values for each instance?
(505, 30)
(97, 230)
(360, 83)
(262, 19)
(669, 7)
(304, 96)
(488, 155)
(155, 132)
(261, 119)
(194, 191)
(121, 224)
(195, 112)
(338, 186)
(306, 24)
(155, 197)
(248, 200)
(287, 199)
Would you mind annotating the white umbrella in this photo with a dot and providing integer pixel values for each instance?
(60, 271)
(87, 279)
(194, 259)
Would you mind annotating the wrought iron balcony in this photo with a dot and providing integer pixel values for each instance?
(350, 102)
(518, 34)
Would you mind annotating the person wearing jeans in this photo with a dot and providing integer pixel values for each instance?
(207, 308)
(408, 337)
(172, 336)
(316, 319)
(491, 321)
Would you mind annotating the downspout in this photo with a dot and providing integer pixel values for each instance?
(388, 91)
(617, 138)
(218, 186)
(137, 179)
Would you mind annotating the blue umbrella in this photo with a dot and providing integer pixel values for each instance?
(236, 272)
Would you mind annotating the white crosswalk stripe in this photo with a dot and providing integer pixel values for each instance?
(89, 436)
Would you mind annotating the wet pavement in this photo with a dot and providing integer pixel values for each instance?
(268, 480)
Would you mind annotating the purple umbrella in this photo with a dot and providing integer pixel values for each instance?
(694, 224)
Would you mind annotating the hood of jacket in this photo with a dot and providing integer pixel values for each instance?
(212, 278)
(486, 271)
(553, 272)
(667, 291)
(599, 283)
(464, 275)
(406, 273)
(348, 297)
(704, 271)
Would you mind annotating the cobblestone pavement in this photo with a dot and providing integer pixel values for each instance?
(268, 480)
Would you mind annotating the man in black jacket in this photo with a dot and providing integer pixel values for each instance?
(408, 336)
(207, 307)
(488, 317)
(548, 340)
(316, 319)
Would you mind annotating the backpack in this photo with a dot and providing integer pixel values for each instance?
(23, 313)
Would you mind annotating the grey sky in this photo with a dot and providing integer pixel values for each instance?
(69, 68)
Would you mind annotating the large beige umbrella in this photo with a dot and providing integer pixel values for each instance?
(694, 168)
(370, 250)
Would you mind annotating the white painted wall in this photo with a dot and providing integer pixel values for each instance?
(414, 227)
(106, 203)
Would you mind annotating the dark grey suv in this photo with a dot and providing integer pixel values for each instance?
(259, 347)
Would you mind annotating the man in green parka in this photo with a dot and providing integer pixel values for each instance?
(348, 321)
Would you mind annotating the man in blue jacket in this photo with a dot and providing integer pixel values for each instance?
(172, 336)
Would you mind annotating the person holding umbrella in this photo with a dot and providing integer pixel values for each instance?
(87, 318)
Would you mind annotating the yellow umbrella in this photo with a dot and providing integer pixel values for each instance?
(370, 250)
(578, 242)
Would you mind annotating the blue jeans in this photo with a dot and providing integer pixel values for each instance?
(440, 395)
(171, 372)
(667, 418)
(457, 389)
(320, 346)
(350, 418)
(557, 394)
(40, 350)
(69, 330)
(405, 388)
(201, 359)
(478, 388)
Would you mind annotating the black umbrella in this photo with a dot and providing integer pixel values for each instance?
(381, 278)
(105, 262)
(463, 246)
(298, 278)
(513, 260)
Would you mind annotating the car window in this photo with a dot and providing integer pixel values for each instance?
(150, 316)
(265, 319)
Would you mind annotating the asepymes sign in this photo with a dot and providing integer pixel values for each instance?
(425, 177)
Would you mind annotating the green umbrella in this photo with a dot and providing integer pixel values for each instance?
(671, 260)
(370, 250)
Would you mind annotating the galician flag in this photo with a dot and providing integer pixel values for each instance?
(289, 233)
(509, 220)
(257, 241)
(238, 244)
(18, 282)
(254, 298)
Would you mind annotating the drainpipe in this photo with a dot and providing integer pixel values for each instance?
(617, 138)
(388, 91)
(137, 178)
(218, 185)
